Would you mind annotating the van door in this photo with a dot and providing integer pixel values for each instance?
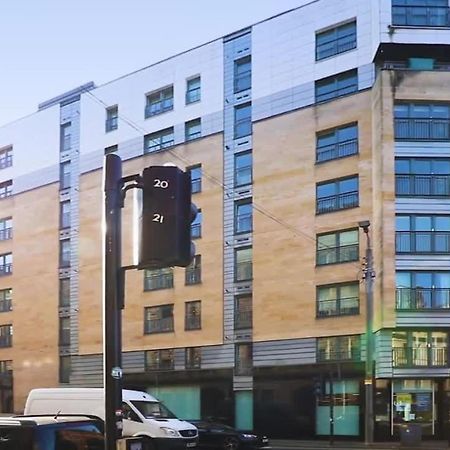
(132, 423)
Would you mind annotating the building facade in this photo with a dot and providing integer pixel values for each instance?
(294, 129)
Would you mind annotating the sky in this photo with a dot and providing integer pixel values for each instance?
(48, 47)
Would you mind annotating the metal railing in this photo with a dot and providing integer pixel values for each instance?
(338, 150)
(341, 254)
(423, 185)
(339, 45)
(243, 319)
(111, 124)
(353, 354)
(159, 325)
(420, 15)
(244, 271)
(337, 92)
(337, 202)
(193, 275)
(423, 356)
(338, 307)
(6, 340)
(5, 234)
(422, 129)
(5, 305)
(422, 241)
(422, 298)
(5, 269)
(160, 281)
(153, 109)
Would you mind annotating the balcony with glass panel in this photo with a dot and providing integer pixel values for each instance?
(422, 185)
(422, 242)
(421, 298)
(421, 129)
(420, 356)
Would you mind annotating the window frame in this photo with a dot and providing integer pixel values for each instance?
(6, 300)
(353, 352)
(159, 136)
(6, 157)
(189, 323)
(112, 118)
(337, 41)
(196, 183)
(245, 322)
(64, 369)
(338, 150)
(193, 272)
(169, 328)
(245, 122)
(194, 123)
(159, 359)
(338, 300)
(193, 95)
(337, 247)
(155, 101)
(165, 275)
(237, 205)
(196, 225)
(246, 75)
(236, 169)
(338, 196)
(192, 362)
(349, 80)
(64, 249)
(6, 189)
(6, 268)
(6, 228)
(236, 263)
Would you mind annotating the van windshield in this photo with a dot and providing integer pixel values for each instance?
(153, 410)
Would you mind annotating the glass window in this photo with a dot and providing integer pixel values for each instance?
(5, 301)
(156, 360)
(6, 157)
(244, 359)
(6, 189)
(242, 74)
(243, 312)
(5, 228)
(243, 264)
(65, 214)
(6, 261)
(337, 143)
(64, 253)
(64, 331)
(66, 137)
(193, 272)
(338, 247)
(193, 90)
(64, 292)
(193, 357)
(243, 169)
(335, 300)
(193, 315)
(193, 129)
(65, 367)
(196, 226)
(159, 101)
(65, 175)
(159, 140)
(337, 85)
(242, 120)
(158, 279)
(337, 40)
(112, 118)
(196, 178)
(336, 195)
(159, 319)
(243, 216)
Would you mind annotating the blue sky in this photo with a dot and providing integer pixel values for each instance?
(48, 47)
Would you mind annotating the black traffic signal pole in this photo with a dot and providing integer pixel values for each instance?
(112, 301)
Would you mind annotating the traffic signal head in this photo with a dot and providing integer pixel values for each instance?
(167, 213)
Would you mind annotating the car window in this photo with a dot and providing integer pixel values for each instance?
(73, 436)
(14, 438)
(153, 409)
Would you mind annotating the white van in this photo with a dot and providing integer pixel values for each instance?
(143, 414)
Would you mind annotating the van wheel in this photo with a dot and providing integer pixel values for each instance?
(148, 443)
(230, 443)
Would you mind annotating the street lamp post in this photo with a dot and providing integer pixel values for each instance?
(368, 275)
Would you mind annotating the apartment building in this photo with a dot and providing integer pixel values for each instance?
(294, 129)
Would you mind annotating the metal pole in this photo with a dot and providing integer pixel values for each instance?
(368, 382)
(112, 342)
(331, 408)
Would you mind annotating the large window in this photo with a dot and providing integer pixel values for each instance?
(420, 13)
(196, 178)
(336, 40)
(193, 92)
(5, 300)
(336, 195)
(6, 189)
(422, 177)
(5, 228)
(243, 169)
(6, 157)
(337, 247)
(243, 312)
(112, 118)
(243, 216)
(159, 140)
(242, 120)
(337, 143)
(193, 129)
(6, 264)
(338, 300)
(243, 264)
(193, 273)
(159, 359)
(6, 332)
(336, 85)
(419, 349)
(422, 121)
(422, 234)
(421, 290)
(158, 279)
(242, 74)
(159, 101)
(339, 348)
(158, 319)
(64, 253)
(193, 315)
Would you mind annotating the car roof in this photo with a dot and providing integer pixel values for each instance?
(37, 420)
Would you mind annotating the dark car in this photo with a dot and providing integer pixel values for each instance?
(217, 435)
(51, 433)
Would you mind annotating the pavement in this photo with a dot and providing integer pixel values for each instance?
(278, 444)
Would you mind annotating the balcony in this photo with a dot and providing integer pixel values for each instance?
(159, 325)
(419, 299)
(338, 150)
(338, 307)
(243, 319)
(422, 242)
(337, 202)
(420, 15)
(422, 129)
(423, 185)
(420, 356)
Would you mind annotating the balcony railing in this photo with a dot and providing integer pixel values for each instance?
(338, 150)
(332, 255)
(160, 281)
(5, 234)
(6, 340)
(352, 354)
(243, 319)
(337, 202)
(420, 15)
(193, 275)
(243, 368)
(414, 129)
(5, 305)
(422, 298)
(425, 356)
(422, 241)
(338, 307)
(159, 325)
(5, 269)
(423, 185)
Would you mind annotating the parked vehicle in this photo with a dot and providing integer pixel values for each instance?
(217, 435)
(51, 433)
(143, 414)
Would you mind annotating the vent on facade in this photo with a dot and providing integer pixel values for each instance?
(242, 97)
(244, 287)
(243, 240)
(243, 337)
(243, 192)
(64, 273)
(242, 50)
(64, 312)
(240, 143)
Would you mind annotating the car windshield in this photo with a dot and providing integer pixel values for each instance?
(153, 410)
(65, 436)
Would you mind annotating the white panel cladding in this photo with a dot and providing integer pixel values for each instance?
(129, 94)
(283, 48)
(35, 141)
